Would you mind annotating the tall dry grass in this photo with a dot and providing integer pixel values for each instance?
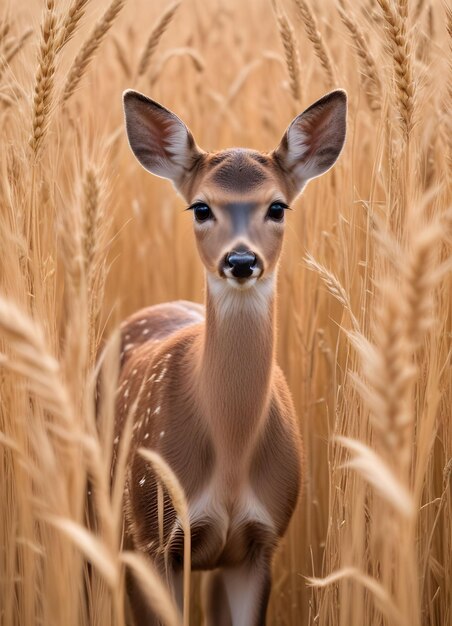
(365, 292)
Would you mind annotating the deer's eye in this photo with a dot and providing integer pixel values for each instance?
(202, 212)
(276, 211)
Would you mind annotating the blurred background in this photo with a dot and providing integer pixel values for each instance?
(364, 293)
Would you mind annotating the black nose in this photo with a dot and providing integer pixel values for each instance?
(242, 263)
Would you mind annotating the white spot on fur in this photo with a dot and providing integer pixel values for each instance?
(142, 481)
(161, 375)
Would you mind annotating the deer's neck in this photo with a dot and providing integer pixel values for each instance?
(236, 363)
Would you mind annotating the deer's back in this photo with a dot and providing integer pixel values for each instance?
(156, 323)
(155, 393)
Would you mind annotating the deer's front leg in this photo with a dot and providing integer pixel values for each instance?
(248, 590)
(214, 600)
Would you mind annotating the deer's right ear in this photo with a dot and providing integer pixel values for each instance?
(159, 139)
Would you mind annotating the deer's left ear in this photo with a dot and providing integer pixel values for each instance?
(314, 139)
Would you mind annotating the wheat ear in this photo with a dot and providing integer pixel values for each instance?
(93, 549)
(89, 48)
(291, 53)
(171, 483)
(73, 17)
(420, 282)
(32, 360)
(44, 84)
(11, 53)
(333, 285)
(155, 36)
(4, 30)
(315, 37)
(388, 375)
(382, 598)
(371, 80)
(191, 53)
(91, 217)
(399, 45)
(153, 588)
(122, 56)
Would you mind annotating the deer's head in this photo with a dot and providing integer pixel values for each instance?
(238, 196)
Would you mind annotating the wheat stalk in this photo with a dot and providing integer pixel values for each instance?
(448, 98)
(90, 546)
(315, 37)
(191, 53)
(388, 375)
(32, 359)
(333, 285)
(400, 47)
(44, 83)
(382, 597)
(369, 72)
(377, 473)
(11, 53)
(89, 48)
(122, 57)
(291, 54)
(418, 10)
(420, 282)
(174, 488)
(155, 591)
(4, 30)
(91, 218)
(155, 36)
(73, 17)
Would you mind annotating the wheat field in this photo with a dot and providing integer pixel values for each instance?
(364, 294)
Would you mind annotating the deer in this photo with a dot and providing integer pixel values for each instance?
(207, 391)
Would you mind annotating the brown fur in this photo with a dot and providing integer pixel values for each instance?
(222, 399)
(208, 393)
(225, 419)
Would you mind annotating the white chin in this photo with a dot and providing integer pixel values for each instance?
(242, 286)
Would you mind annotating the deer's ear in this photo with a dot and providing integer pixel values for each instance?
(314, 139)
(159, 139)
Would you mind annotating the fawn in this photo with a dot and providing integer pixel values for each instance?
(209, 396)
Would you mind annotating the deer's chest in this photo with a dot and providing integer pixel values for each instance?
(227, 527)
(244, 502)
